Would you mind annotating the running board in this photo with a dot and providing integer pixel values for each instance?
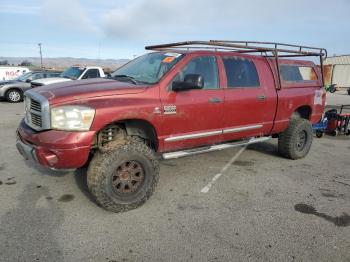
(201, 150)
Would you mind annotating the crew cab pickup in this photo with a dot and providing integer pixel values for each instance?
(182, 99)
(71, 73)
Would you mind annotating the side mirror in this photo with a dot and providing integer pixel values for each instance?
(191, 81)
(28, 80)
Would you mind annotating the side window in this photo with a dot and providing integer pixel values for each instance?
(295, 73)
(91, 73)
(37, 76)
(53, 74)
(205, 66)
(240, 72)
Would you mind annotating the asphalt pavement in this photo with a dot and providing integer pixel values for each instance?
(261, 208)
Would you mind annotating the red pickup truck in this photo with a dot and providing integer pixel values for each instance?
(182, 99)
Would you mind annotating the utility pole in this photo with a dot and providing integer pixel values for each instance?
(41, 56)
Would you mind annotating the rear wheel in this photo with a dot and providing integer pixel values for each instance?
(14, 96)
(125, 177)
(319, 133)
(332, 89)
(295, 142)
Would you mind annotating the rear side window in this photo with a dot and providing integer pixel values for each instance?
(240, 72)
(295, 73)
(91, 73)
(52, 74)
(37, 76)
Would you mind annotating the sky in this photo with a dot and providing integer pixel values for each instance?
(121, 28)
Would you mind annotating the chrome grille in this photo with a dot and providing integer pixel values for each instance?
(36, 119)
(35, 105)
(37, 113)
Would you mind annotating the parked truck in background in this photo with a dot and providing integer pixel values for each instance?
(171, 103)
(72, 73)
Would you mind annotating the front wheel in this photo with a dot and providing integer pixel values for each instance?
(124, 178)
(295, 142)
(14, 96)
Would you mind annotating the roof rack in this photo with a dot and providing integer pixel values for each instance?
(245, 47)
(267, 49)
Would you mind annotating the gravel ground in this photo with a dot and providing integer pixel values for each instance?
(262, 207)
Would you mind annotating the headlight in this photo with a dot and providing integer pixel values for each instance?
(74, 118)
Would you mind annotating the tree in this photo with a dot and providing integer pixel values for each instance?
(4, 62)
(26, 63)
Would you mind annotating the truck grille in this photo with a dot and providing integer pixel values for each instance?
(35, 105)
(36, 111)
(36, 120)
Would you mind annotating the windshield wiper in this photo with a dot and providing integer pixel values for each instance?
(130, 78)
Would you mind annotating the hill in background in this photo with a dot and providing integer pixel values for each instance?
(64, 62)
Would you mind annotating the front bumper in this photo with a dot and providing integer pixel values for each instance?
(53, 148)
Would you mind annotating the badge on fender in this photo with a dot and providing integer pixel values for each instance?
(171, 109)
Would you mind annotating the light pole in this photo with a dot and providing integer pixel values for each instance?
(41, 56)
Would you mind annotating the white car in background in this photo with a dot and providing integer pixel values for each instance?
(71, 73)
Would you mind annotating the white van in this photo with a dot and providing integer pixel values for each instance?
(12, 72)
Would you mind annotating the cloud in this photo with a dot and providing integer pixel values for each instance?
(19, 9)
(156, 20)
(69, 14)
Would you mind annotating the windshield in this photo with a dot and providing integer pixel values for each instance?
(72, 72)
(24, 77)
(147, 69)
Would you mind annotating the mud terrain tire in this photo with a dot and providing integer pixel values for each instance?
(125, 177)
(295, 142)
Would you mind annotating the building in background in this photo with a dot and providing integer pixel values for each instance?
(337, 71)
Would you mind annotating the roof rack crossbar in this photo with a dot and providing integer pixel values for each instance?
(244, 47)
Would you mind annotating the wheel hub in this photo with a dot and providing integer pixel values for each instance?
(14, 96)
(301, 140)
(128, 178)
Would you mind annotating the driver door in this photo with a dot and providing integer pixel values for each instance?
(194, 117)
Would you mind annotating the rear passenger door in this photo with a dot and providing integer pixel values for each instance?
(250, 98)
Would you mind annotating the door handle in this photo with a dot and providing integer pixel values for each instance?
(261, 97)
(215, 100)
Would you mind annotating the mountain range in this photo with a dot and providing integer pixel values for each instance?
(64, 62)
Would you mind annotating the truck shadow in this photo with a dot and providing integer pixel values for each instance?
(265, 148)
(45, 171)
(80, 176)
(340, 221)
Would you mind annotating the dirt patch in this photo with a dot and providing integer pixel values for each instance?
(66, 198)
(2, 167)
(10, 181)
(243, 163)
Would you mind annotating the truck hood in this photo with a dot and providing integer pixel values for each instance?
(51, 80)
(86, 89)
